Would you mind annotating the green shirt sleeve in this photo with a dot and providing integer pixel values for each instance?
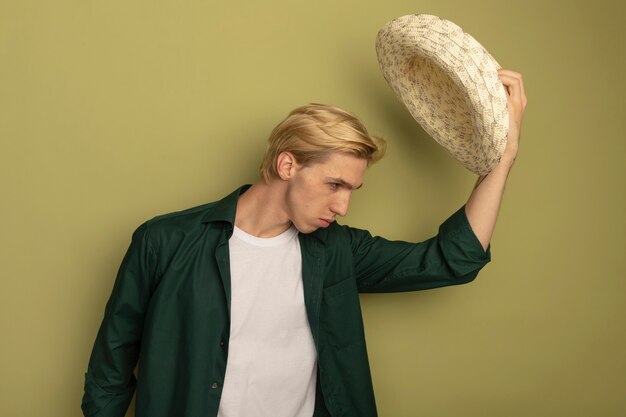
(454, 256)
(110, 381)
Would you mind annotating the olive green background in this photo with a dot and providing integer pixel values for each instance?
(112, 112)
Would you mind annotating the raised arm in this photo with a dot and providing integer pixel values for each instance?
(483, 204)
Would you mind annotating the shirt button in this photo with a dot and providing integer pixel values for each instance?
(222, 343)
(214, 385)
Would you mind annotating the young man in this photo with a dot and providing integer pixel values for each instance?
(249, 306)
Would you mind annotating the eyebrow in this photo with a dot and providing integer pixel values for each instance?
(344, 183)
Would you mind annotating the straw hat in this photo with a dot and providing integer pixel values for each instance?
(450, 85)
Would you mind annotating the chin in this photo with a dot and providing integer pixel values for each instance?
(305, 228)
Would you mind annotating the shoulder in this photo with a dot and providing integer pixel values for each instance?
(197, 218)
(169, 231)
(338, 235)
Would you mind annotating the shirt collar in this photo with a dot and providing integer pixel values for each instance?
(226, 208)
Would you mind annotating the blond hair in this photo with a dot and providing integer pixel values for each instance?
(314, 131)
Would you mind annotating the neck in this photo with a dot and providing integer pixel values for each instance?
(261, 210)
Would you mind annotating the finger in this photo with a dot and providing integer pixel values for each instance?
(518, 76)
(515, 91)
(512, 85)
(510, 72)
(515, 103)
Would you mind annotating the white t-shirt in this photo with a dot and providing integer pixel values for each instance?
(272, 362)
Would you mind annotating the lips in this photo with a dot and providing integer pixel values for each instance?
(326, 222)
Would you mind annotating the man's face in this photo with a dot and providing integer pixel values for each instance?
(319, 192)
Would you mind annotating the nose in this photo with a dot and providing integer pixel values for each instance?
(341, 204)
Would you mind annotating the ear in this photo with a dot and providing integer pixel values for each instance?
(286, 165)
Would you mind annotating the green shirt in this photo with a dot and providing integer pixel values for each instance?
(169, 310)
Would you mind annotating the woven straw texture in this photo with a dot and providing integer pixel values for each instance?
(450, 85)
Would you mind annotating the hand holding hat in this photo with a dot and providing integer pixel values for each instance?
(516, 103)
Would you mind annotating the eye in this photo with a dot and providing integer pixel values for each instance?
(334, 186)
